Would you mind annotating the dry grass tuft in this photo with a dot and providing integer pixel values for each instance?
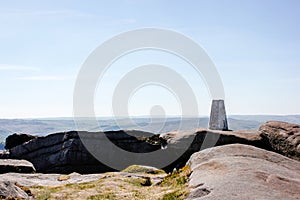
(120, 187)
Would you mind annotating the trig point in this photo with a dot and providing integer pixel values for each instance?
(218, 118)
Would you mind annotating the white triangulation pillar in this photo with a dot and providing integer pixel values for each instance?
(218, 118)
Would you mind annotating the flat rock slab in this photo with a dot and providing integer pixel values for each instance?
(39, 179)
(19, 166)
(239, 171)
(175, 137)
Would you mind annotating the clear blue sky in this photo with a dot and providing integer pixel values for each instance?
(255, 45)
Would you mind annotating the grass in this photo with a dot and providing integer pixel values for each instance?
(120, 187)
(178, 181)
(146, 181)
(178, 178)
(179, 194)
(101, 197)
(44, 196)
(143, 169)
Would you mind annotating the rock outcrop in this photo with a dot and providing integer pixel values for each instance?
(243, 172)
(17, 139)
(283, 138)
(65, 152)
(194, 141)
(9, 190)
(18, 166)
(4, 154)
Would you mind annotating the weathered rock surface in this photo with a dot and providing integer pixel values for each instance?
(65, 152)
(17, 139)
(19, 166)
(39, 179)
(9, 190)
(243, 172)
(194, 141)
(283, 137)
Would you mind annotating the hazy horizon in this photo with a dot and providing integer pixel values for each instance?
(149, 116)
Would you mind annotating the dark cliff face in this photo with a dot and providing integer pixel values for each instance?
(65, 152)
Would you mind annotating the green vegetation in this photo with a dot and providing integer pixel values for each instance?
(101, 197)
(143, 169)
(122, 187)
(177, 178)
(174, 195)
(44, 196)
(146, 181)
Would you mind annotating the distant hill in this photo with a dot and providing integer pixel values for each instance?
(264, 118)
(46, 126)
(2, 145)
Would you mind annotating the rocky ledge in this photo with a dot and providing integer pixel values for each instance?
(18, 166)
(65, 152)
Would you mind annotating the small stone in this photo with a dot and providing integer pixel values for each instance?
(63, 177)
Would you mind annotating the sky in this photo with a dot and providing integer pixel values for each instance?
(254, 44)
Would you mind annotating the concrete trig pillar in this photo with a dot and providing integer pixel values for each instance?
(218, 118)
